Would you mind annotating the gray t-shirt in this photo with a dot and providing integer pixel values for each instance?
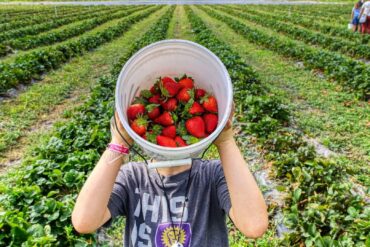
(137, 195)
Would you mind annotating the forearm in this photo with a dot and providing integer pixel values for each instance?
(249, 211)
(91, 205)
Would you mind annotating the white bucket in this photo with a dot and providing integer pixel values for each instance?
(174, 58)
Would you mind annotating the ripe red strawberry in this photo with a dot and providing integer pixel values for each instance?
(165, 119)
(196, 108)
(211, 121)
(180, 142)
(199, 93)
(153, 111)
(134, 110)
(155, 99)
(210, 104)
(170, 104)
(169, 87)
(186, 83)
(169, 131)
(166, 141)
(154, 89)
(196, 127)
(139, 125)
(185, 95)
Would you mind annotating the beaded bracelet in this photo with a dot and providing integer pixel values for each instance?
(118, 148)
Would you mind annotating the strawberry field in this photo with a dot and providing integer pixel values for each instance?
(301, 85)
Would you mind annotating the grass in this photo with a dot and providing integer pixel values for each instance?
(18, 115)
(321, 108)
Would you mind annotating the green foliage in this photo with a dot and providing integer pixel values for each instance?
(31, 65)
(351, 73)
(319, 206)
(36, 207)
(48, 38)
(26, 29)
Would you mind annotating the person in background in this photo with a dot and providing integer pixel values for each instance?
(365, 10)
(360, 3)
(355, 18)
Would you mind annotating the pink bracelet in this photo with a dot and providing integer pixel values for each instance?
(118, 148)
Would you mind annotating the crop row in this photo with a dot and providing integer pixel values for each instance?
(35, 29)
(313, 38)
(39, 201)
(49, 38)
(33, 64)
(320, 208)
(30, 14)
(334, 20)
(314, 9)
(37, 19)
(312, 23)
(352, 74)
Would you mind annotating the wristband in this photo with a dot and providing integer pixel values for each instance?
(118, 148)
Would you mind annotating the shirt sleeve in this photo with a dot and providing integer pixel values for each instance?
(222, 190)
(118, 200)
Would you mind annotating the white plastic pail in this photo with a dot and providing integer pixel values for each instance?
(174, 58)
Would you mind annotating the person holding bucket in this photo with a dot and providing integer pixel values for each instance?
(199, 195)
(185, 200)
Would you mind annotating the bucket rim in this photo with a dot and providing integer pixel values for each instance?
(158, 148)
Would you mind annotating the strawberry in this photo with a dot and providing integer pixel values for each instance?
(180, 142)
(139, 125)
(170, 104)
(154, 89)
(211, 121)
(169, 87)
(155, 99)
(185, 95)
(134, 110)
(169, 131)
(165, 119)
(196, 127)
(196, 109)
(199, 93)
(166, 141)
(186, 82)
(210, 104)
(153, 111)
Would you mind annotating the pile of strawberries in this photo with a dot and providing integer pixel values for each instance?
(173, 113)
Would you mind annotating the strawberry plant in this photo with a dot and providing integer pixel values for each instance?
(31, 65)
(308, 36)
(42, 27)
(29, 42)
(351, 73)
(36, 204)
(320, 207)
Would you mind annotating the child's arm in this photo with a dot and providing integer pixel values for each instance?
(91, 211)
(248, 210)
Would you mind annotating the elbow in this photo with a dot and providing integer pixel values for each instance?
(81, 225)
(256, 228)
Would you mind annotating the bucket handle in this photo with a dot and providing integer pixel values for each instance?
(169, 163)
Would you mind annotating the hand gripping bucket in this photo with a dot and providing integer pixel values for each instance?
(173, 58)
